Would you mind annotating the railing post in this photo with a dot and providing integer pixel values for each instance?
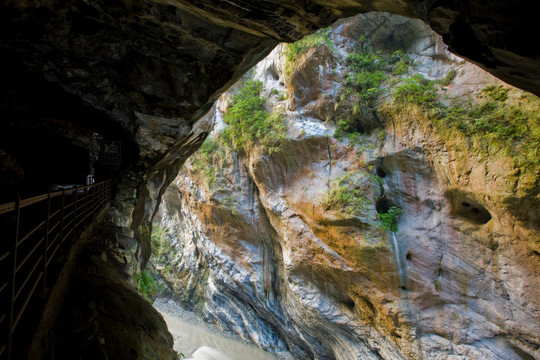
(75, 212)
(13, 275)
(86, 205)
(45, 250)
(62, 219)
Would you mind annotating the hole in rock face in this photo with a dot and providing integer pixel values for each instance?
(273, 72)
(408, 256)
(349, 303)
(380, 172)
(383, 205)
(359, 127)
(469, 209)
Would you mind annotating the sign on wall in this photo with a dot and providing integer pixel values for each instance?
(111, 152)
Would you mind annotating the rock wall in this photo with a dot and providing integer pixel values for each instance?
(266, 248)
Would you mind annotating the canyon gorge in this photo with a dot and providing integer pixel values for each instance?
(369, 226)
(384, 206)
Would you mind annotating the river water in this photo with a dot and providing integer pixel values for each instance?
(200, 341)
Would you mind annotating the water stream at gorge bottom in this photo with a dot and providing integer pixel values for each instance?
(200, 341)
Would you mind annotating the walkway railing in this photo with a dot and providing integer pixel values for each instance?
(33, 233)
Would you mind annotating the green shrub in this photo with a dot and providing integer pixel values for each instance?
(368, 73)
(366, 61)
(293, 51)
(416, 90)
(347, 195)
(400, 62)
(366, 77)
(249, 123)
(497, 93)
(448, 78)
(160, 243)
(389, 219)
(208, 160)
(146, 284)
(497, 126)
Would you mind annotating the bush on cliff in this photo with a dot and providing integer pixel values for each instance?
(389, 219)
(249, 123)
(208, 160)
(294, 50)
(347, 194)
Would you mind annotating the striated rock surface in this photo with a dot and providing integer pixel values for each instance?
(375, 230)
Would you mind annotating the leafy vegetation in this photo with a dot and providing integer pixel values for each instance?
(250, 123)
(146, 284)
(347, 195)
(293, 51)
(416, 90)
(497, 93)
(146, 281)
(489, 118)
(448, 78)
(400, 62)
(161, 249)
(209, 159)
(367, 76)
(497, 126)
(389, 219)
(369, 71)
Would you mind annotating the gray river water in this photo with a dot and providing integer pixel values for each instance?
(200, 341)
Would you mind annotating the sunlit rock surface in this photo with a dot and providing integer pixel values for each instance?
(258, 249)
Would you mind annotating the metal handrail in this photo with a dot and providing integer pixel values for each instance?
(52, 222)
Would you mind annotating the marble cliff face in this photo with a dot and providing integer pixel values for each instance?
(372, 229)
